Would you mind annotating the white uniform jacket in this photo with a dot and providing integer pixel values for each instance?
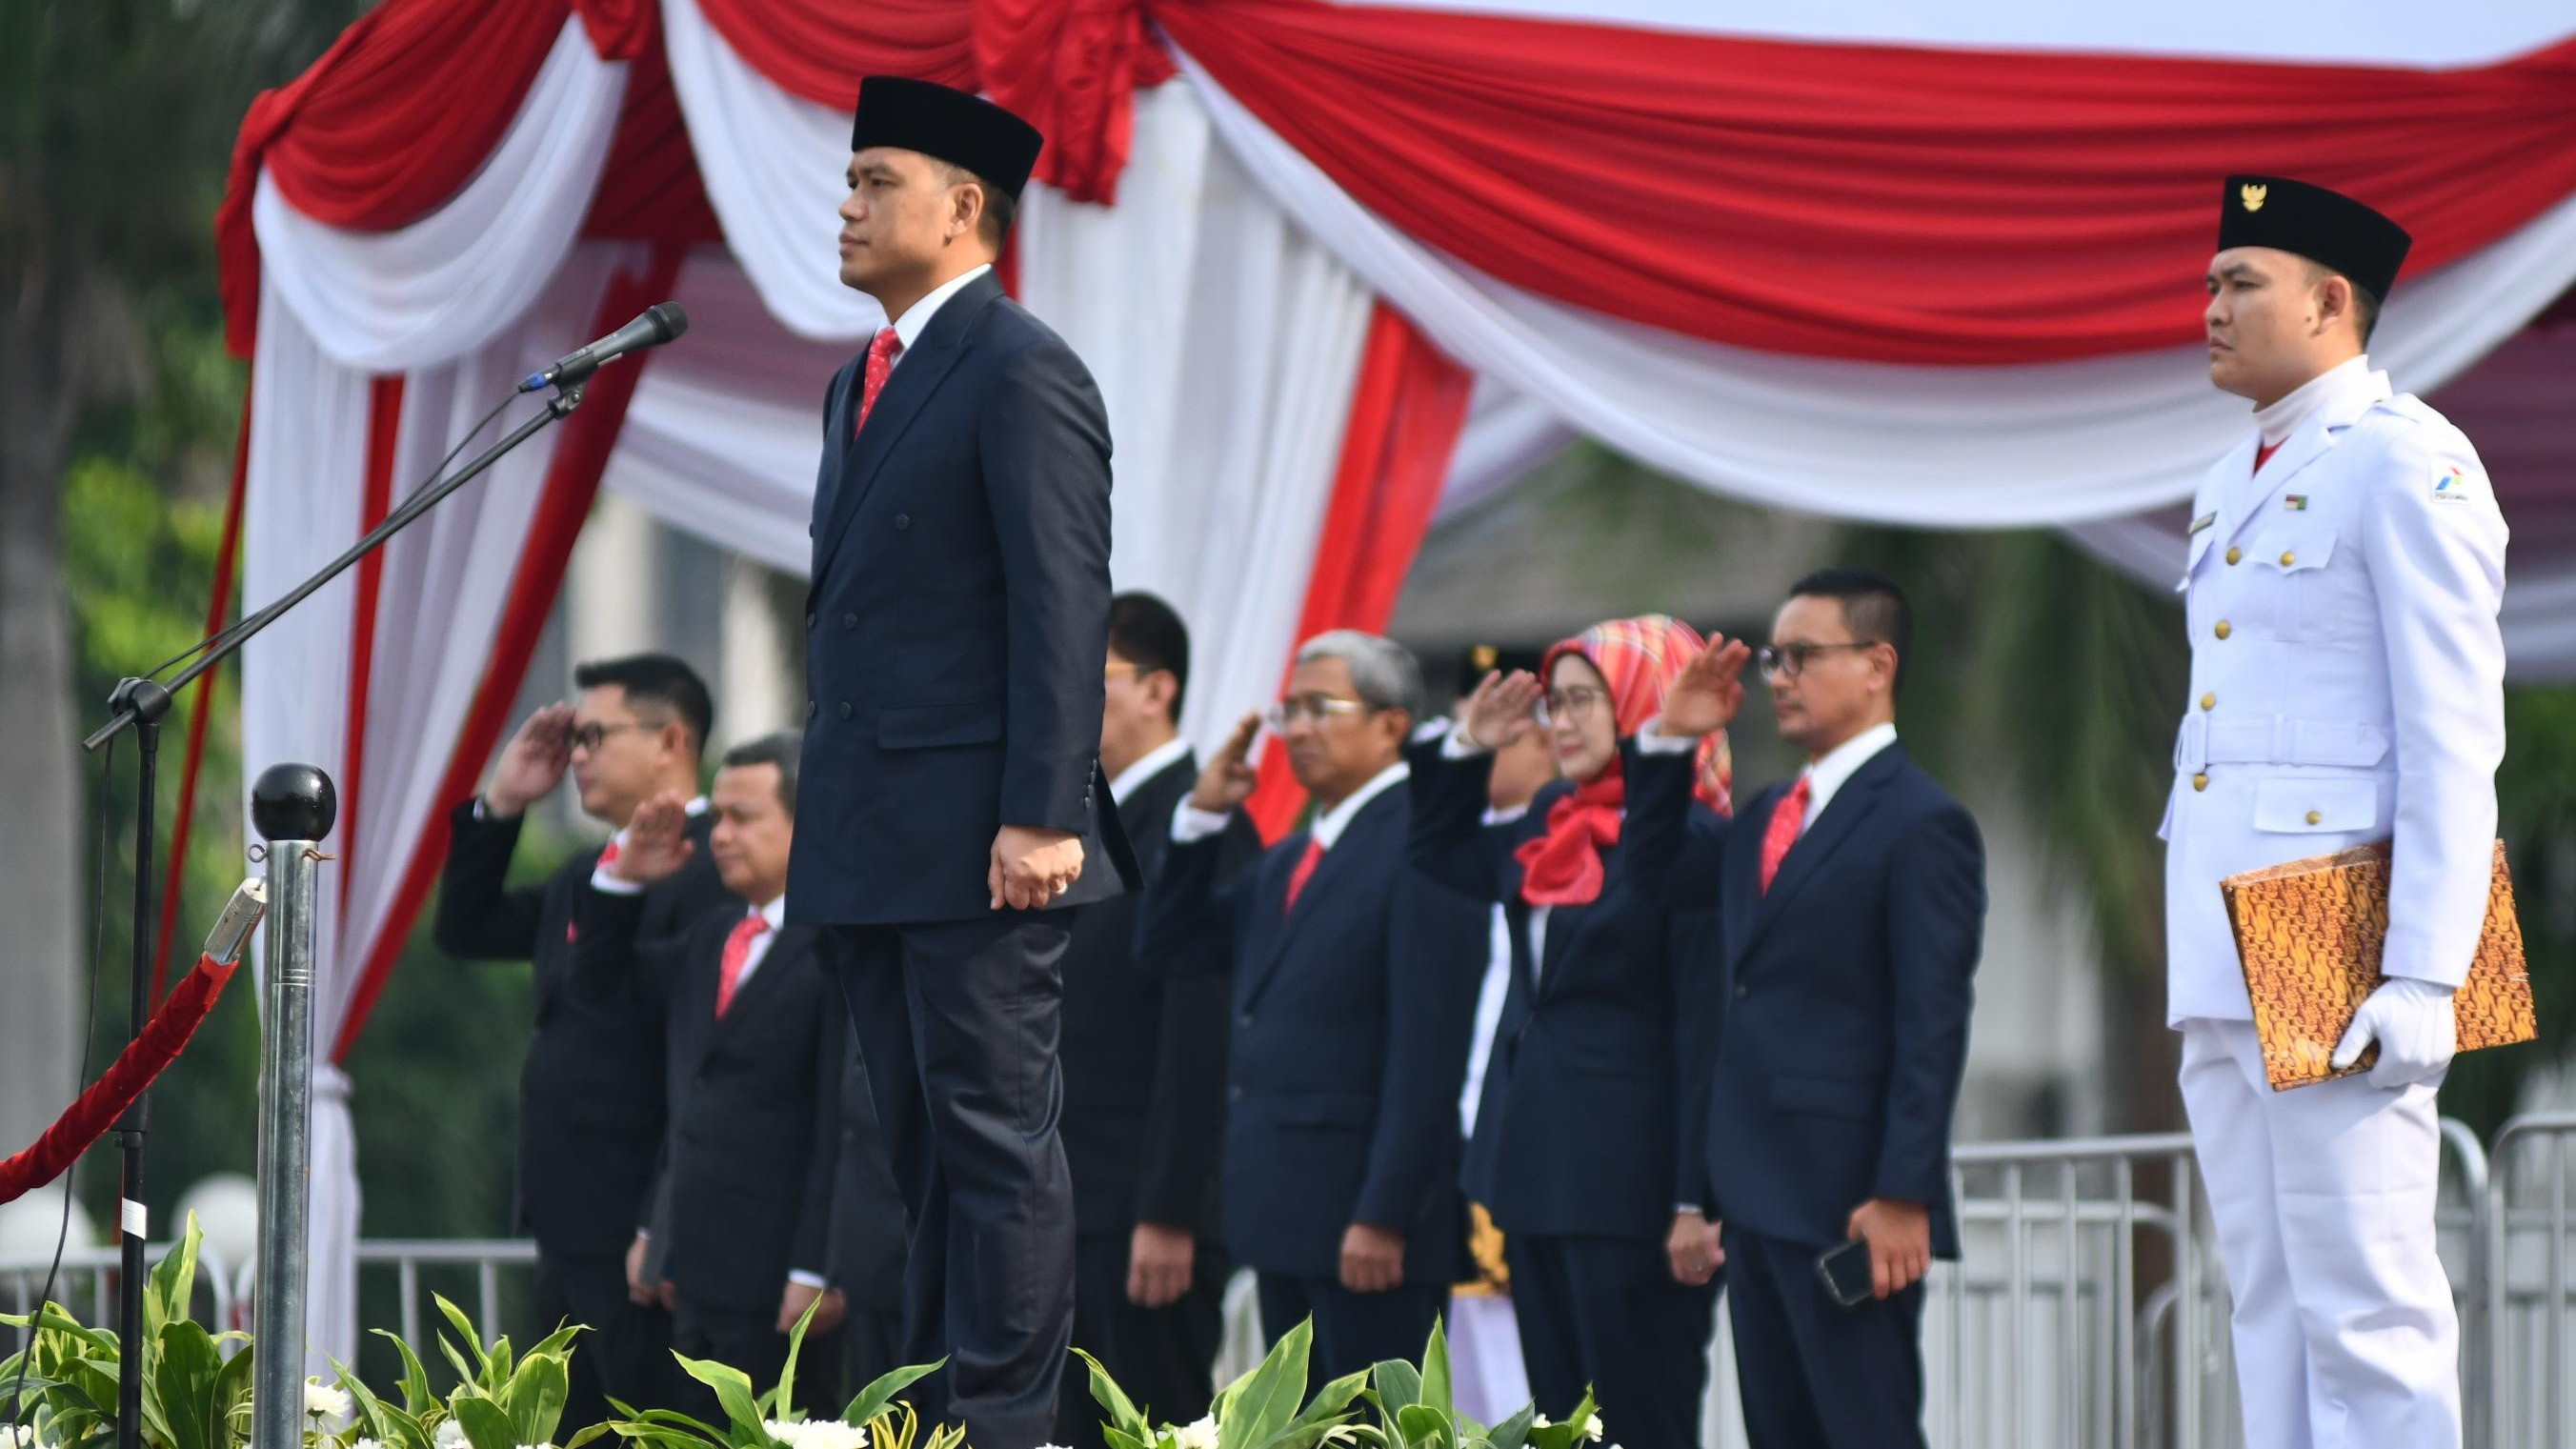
(2347, 683)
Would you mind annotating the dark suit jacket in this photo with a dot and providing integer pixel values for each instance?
(1351, 1019)
(1144, 1053)
(956, 622)
(749, 1162)
(1576, 1132)
(870, 1231)
(590, 1096)
(1848, 993)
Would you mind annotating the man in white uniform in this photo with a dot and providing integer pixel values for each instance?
(2345, 566)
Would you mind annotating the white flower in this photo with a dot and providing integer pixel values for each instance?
(1540, 1421)
(536, 1446)
(818, 1434)
(19, 1436)
(1201, 1435)
(450, 1435)
(324, 1402)
(1592, 1429)
(366, 1444)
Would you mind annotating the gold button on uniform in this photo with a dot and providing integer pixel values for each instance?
(2200, 782)
(2288, 558)
(2236, 555)
(2222, 630)
(2209, 701)
(2314, 818)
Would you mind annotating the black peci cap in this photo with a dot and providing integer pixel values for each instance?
(948, 124)
(2309, 221)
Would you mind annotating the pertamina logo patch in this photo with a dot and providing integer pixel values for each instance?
(2451, 484)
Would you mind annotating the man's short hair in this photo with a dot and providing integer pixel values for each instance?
(1384, 672)
(2365, 302)
(783, 750)
(1874, 607)
(1148, 633)
(1000, 207)
(658, 682)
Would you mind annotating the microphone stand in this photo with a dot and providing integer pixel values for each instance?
(139, 704)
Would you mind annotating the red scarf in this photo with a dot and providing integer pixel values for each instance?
(1563, 867)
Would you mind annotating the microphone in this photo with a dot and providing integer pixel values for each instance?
(660, 323)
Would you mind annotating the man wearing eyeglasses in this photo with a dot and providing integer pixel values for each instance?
(1851, 912)
(1354, 987)
(591, 1100)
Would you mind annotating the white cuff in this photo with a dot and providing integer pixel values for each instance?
(1650, 740)
(615, 885)
(803, 1279)
(1459, 747)
(1191, 824)
(1504, 817)
(1687, 1207)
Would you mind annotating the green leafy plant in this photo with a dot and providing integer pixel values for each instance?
(1413, 1408)
(502, 1399)
(194, 1397)
(874, 1419)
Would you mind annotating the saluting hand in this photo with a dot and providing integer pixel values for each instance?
(657, 841)
(534, 763)
(1228, 778)
(1502, 711)
(1705, 696)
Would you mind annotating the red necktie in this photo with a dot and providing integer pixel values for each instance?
(1304, 872)
(1782, 832)
(2263, 454)
(737, 954)
(881, 355)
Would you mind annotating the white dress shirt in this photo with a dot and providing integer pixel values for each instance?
(616, 885)
(908, 327)
(1190, 823)
(1828, 775)
(1153, 762)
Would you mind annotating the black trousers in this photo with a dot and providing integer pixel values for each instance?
(871, 1348)
(624, 1349)
(1353, 1331)
(1605, 1314)
(1812, 1372)
(748, 1339)
(1165, 1358)
(958, 1022)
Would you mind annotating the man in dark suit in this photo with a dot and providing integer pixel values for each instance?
(951, 792)
(1354, 988)
(1852, 907)
(869, 1237)
(590, 1097)
(1144, 1071)
(739, 1231)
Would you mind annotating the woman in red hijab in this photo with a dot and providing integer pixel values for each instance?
(1579, 1134)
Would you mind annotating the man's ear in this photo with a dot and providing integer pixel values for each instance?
(2334, 301)
(966, 209)
(1159, 686)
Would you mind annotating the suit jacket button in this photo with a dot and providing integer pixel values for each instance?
(1234, 1094)
(845, 709)
(1742, 991)
(2315, 818)
(812, 709)
(1244, 1020)
(849, 621)
(902, 521)
(2209, 701)
(2200, 781)
(2235, 555)
(809, 621)
(2222, 631)
(2288, 558)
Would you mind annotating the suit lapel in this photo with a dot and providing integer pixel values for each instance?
(2250, 493)
(839, 421)
(784, 952)
(1336, 864)
(917, 376)
(1843, 814)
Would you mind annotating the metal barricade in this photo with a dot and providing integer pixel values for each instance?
(407, 1256)
(2090, 1307)
(2530, 1288)
(86, 1285)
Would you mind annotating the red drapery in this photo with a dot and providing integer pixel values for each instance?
(1892, 204)
(1406, 415)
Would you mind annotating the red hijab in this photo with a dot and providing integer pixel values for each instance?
(1637, 658)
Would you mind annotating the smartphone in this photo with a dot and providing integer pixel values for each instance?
(1845, 1269)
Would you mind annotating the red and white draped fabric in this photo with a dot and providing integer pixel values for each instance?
(1926, 264)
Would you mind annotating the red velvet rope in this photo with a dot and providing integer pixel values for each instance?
(142, 1061)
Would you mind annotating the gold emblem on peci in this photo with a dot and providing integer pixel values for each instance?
(2252, 194)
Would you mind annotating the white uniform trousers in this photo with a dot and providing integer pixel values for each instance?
(2323, 1199)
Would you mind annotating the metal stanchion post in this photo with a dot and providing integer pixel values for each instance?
(293, 807)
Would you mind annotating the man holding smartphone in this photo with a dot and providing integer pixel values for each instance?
(1851, 912)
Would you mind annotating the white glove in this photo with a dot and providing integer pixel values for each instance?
(2412, 1021)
